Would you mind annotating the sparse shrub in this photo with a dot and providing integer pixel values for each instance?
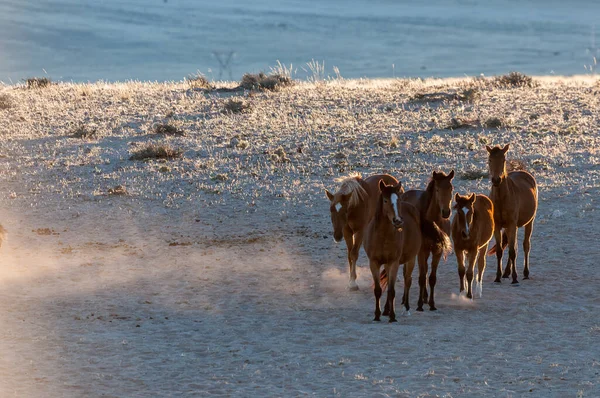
(515, 165)
(37, 82)
(117, 190)
(514, 79)
(6, 101)
(470, 95)
(166, 129)
(262, 81)
(458, 123)
(279, 155)
(473, 174)
(199, 81)
(220, 177)
(155, 151)
(234, 105)
(83, 131)
(493, 123)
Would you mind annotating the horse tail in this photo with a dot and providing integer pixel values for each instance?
(494, 248)
(383, 279)
(441, 241)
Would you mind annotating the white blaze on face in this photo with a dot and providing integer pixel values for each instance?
(338, 207)
(394, 199)
(465, 211)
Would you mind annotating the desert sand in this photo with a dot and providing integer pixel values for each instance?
(216, 273)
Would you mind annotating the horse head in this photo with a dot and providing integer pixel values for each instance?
(497, 163)
(339, 213)
(443, 191)
(464, 213)
(390, 196)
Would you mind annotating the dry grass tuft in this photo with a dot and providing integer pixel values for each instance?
(234, 105)
(83, 131)
(514, 79)
(467, 95)
(155, 151)
(200, 82)
(6, 101)
(459, 123)
(167, 129)
(37, 82)
(263, 81)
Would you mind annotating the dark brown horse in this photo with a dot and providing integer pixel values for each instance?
(472, 229)
(393, 237)
(515, 199)
(352, 207)
(434, 208)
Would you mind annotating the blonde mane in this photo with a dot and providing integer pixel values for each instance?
(351, 185)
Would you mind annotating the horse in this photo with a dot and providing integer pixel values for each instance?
(352, 207)
(515, 199)
(472, 229)
(434, 208)
(393, 237)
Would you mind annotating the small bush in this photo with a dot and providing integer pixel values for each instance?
(199, 81)
(117, 190)
(166, 129)
(493, 123)
(6, 101)
(262, 81)
(155, 151)
(37, 82)
(515, 165)
(514, 79)
(83, 131)
(233, 105)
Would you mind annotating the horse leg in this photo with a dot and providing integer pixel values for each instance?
(404, 268)
(511, 233)
(422, 257)
(435, 260)
(392, 270)
(480, 269)
(377, 289)
(499, 252)
(350, 243)
(408, 270)
(526, 247)
(460, 259)
(471, 258)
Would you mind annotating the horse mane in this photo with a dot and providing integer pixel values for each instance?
(351, 185)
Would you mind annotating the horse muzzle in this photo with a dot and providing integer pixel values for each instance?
(398, 222)
(496, 181)
(465, 235)
(446, 213)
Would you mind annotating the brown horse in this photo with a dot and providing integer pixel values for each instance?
(472, 229)
(515, 199)
(434, 208)
(393, 237)
(352, 207)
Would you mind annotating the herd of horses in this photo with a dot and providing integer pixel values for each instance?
(401, 228)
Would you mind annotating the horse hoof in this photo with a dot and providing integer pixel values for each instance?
(420, 309)
(526, 277)
(515, 282)
(505, 276)
(392, 320)
(376, 319)
(497, 280)
(432, 309)
(353, 288)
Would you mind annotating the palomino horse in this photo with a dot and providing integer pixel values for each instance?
(393, 237)
(515, 199)
(472, 229)
(434, 207)
(352, 207)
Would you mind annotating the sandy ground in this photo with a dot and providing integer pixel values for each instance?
(217, 274)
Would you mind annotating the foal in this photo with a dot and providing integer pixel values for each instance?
(472, 229)
(391, 238)
(515, 199)
(352, 207)
(434, 208)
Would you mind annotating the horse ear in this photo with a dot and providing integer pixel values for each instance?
(472, 198)
(456, 197)
(434, 175)
(488, 148)
(451, 174)
(381, 185)
(398, 188)
(505, 149)
(329, 195)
